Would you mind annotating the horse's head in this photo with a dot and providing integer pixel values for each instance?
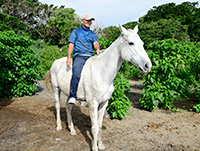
(132, 49)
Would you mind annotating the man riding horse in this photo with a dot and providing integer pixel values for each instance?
(83, 41)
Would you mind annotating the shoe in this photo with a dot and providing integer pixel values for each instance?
(72, 101)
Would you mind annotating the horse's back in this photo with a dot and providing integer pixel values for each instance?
(58, 63)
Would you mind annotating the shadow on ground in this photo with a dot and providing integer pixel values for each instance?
(80, 120)
(5, 102)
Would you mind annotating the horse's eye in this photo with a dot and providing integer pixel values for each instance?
(131, 43)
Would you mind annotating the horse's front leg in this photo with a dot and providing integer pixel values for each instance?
(94, 120)
(101, 112)
(69, 119)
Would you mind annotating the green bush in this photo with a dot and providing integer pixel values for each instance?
(119, 104)
(48, 55)
(196, 107)
(104, 43)
(173, 75)
(18, 64)
(129, 71)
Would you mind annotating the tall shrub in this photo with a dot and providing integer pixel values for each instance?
(48, 55)
(18, 65)
(173, 75)
(119, 104)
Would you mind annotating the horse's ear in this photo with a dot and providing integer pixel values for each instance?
(136, 29)
(122, 29)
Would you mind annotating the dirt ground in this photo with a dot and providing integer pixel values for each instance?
(28, 124)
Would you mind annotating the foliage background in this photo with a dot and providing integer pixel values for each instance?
(175, 73)
(34, 34)
(18, 64)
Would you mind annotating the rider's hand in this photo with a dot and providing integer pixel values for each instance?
(98, 52)
(69, 61)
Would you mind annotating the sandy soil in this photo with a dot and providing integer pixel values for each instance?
(28, 124)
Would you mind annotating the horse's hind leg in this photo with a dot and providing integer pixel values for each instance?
(57, 99)
(69, 119)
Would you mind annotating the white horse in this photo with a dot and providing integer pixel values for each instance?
(96, 83)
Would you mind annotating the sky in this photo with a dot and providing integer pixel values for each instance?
(112, 12)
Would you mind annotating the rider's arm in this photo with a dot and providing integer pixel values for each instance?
(69, 52)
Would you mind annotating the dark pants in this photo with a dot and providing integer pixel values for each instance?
(77, 66)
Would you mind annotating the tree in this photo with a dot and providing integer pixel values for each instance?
(60, 26)
(10, 23)
(33, 14)
(130, 25)
(186, 13)
(97, 28)
(163, 29)
(111, 33)
(22, 9)
(43, 13)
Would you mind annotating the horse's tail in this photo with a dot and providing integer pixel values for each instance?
(47, 81)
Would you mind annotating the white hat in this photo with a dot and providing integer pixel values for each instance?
(87, 17)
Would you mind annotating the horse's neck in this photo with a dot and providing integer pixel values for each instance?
(111, 61)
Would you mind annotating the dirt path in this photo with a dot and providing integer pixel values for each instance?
(28, 124)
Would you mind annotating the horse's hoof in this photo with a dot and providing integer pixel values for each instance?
(101, 147)
(58, 128)
(94, 149)
(73, 132)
